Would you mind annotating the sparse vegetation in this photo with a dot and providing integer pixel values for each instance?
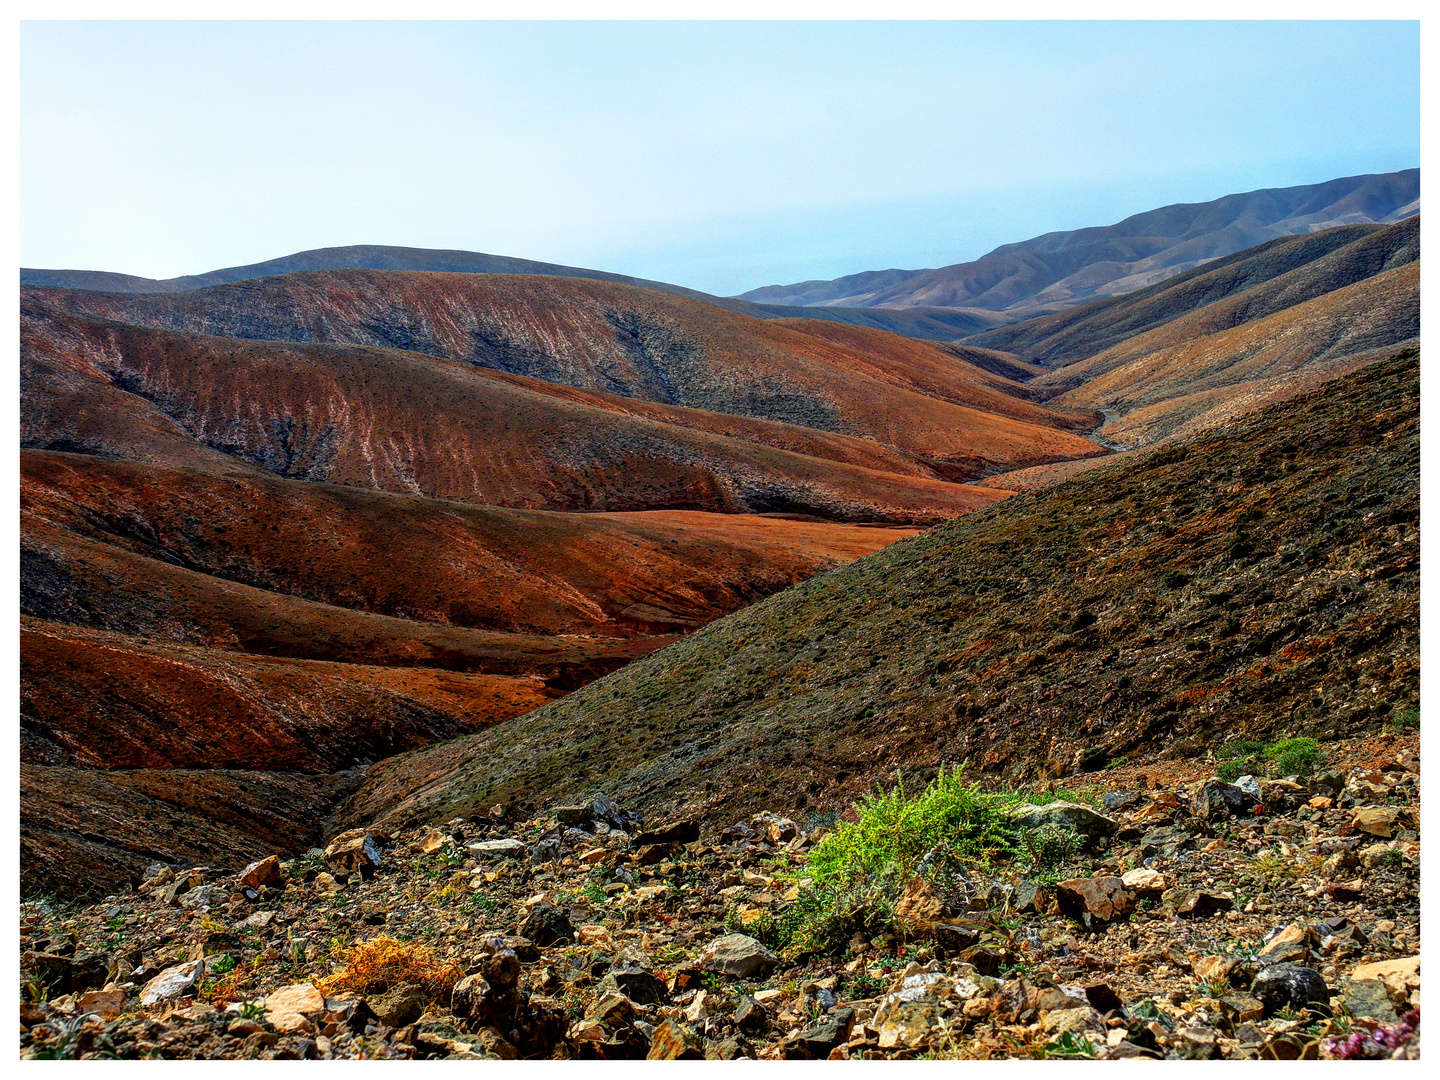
(375, 966)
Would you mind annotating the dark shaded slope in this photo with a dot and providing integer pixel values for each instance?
(1331, 259)
(1259, 582)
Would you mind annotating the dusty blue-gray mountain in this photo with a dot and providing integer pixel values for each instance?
(1062, 269)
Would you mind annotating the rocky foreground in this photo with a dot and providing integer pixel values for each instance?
(1274, 918)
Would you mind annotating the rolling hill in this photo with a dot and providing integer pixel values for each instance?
(1063, 269)
(1256, 582)
(940, 324)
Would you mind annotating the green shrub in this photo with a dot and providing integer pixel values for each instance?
(1050, 845)
(949, 821)
(823, 919)
(1293, 757)
(1407, 720)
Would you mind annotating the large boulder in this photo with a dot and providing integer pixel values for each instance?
(496, 849)
(1217, 799)
(1289, 986)
(1085, 821)
(739, 955)
(1100, 899)
(547, 925)
(352, 850)
(171, 983)
(262, 873)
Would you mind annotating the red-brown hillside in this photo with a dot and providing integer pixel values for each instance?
(630, 342)
(408, 422)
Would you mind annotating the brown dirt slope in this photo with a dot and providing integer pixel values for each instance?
(1182, 377)
(1301, 268)
(1256, 582)
(614, 339)
(408, 422)
(489, 568)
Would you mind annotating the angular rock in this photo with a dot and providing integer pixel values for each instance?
(434, 841)
(1401, 977)
(1291, 945)
(171, 983)
(1289, 986)
(1242, 1008)
(1093, 900)
(1081, 818)
(262, 873)
(351, 851)
(1217, 799)
(508, 848)
(1376, 820)
(739, 955)
(1143, 881)
(400, 1005)
(673, 1041)
(1370, 998)
(630, 977)
(547, 925)
(1167, 841)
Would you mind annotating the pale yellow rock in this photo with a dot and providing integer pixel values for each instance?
(434, 841)
(1400, 976)
(1144, 881)
(301, 998)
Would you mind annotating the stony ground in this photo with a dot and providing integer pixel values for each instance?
(1199, 922)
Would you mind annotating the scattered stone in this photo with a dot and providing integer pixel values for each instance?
(496, 849)
(171, 983)
(352, 851)
(262, 873)
(1289, 986)
(1370, 999)
(674, 1041)
(1095, 900)
(1292, 944)
(739, 955)
(434, 841)
(1217, 799)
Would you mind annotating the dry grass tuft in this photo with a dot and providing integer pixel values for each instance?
(375, 966)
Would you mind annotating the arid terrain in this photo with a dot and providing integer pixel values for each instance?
(428, 654)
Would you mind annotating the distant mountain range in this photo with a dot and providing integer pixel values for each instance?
(1063, 269)
(937, 324)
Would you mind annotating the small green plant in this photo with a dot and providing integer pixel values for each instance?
(1293, 757)
(896, 830)
(252, 1010)
(1050, 845)
(1393, 858)
(222, 964)
(1070, 1045)
(1406, 720)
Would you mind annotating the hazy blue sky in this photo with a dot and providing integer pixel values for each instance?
(720, 156)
